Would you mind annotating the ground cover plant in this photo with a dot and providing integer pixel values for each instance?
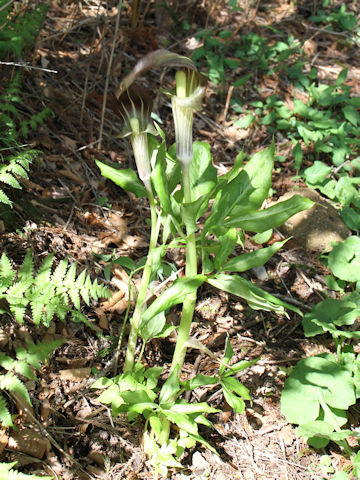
(280, 111)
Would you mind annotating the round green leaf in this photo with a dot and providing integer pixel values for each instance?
(313, 379)
(344, 260)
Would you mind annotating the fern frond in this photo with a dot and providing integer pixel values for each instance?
(7, 473)
(7, 273)
(44, 272)
(12, 383)
(5, 416)
(4, 198)
(27, 268)
(70, 276)
(37, 353)
(46, 293)
(9, 180)
(59, 273)
(18, 169)
(7, 362)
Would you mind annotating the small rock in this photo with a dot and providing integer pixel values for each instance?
(199, 463)
(316, 228)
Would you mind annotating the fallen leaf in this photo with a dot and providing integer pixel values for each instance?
(75, 374)
(30, 442)
(4, 437)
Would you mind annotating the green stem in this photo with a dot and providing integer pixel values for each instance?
(140, 305)
(190, 270)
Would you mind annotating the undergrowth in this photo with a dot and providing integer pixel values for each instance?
(19, 29)
(23, 365)
(46, 293)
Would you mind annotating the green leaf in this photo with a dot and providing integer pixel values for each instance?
(245, 192)
(257, 298)
(298, 156)
(170, 389)
(352, 115)
(153, 327)
(182, 421)
(246, 261)
(229, 353)
(341, 77)
(241, 81)
(203, 174)
(240, 366)
(263, 237)
(152, 375)
(234, 385)
(5, 417)
(159, 181)
(165, 332)
(125, 262)
(260, 221)
(233, 172)
(245, 121)
(190, 212)
(173, 295)
(190, 408)
(318, 321)
(227, 244)
(344, 259)
(317, 173)
(139, 407)
(124, 178)
(319, 433)
(200, 380)
(313, 379)
(356, 465)
(237, 403)
(156, 425)
(341, 475)
(259, 170)
(350, 217)
(345, 190)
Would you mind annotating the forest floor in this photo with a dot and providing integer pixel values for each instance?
(68, 209)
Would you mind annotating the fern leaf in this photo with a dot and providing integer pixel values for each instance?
(37, 353)
(18, 169)
(17, 301)
(59, 273)
(9, 180)
(7, 273)
(70, 276)
(40, 296)
(27, 268)
(18, 311)
(5, 417)
(75, 297)
(80, 281)
(24, 369)
(37, 311)
(5, 199)
(44, 272)
(85, 295)
(7, 362)
(13, 384)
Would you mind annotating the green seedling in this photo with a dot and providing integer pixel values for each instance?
(180, 183)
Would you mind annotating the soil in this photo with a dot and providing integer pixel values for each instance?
(68, 209)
